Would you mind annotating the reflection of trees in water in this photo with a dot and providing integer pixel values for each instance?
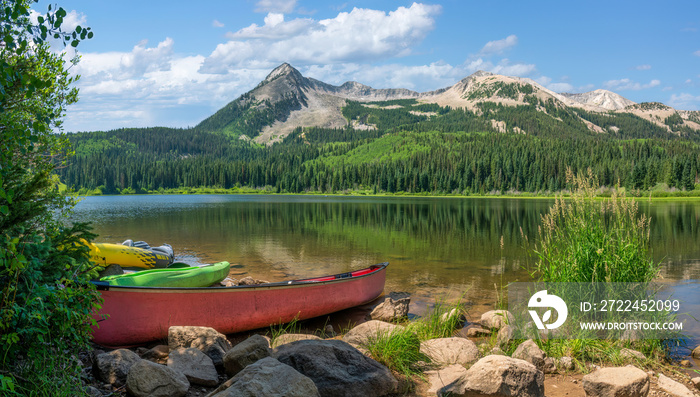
(428, 241)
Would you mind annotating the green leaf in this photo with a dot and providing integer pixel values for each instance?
(75, 43)
(40, 19)
(89, 36)
(4, 209)
(78, 29)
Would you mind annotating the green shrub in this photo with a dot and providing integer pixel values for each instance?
(583, 239)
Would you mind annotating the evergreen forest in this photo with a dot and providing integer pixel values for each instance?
(415, 148)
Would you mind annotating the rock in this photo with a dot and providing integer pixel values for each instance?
(505, 335)
(361, 334)
(696, 381)
(565, 364)
(450, 350)
(93, 392)
(158, 354)
(229, 282)
(289, 338)
(111, 270)
(497, 351)
(696, 352)
(113, 367)
(686, 363)
(530, 352)
(195, 365)
(148, 379)
(208, 340)
(267, 377)
(455, 314)
(262, 282)
(394, 307)
(245, 353)
(498, 376)
(444, 377)
(632, 354)
(496, 319)
(337, 368)
(673, 388)
(550, 366)
(328, 331)
(478, 332)
(618, 381)
(631, 335)
(246, 281)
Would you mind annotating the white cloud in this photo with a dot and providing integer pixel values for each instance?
(215, 23)
(499, 46)
(282, 6)
(627, 84)
(503, 67)
(125, 65)
(643, 67)
(361, 34)
(561, 87)
(685, 101)
(697, 53)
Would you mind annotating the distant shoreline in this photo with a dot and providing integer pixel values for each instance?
(654, 196)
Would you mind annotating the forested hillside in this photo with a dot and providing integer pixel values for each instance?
(410, 148)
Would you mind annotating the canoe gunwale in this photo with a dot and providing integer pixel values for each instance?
(338, 278)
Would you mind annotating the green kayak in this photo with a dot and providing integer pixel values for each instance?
(194, 276)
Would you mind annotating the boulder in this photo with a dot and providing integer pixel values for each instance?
(267, 377)
(673, 388)
(148, 379)
(498, 376)
(361, 334)
(696, 381)
(444, 377)
(496, 319)
(289, 338)
(450, 350)
(245, 353)
(505, 335)
(337, 368)
(696, 352)
(616, 381)
(530, 352)
(158, 354)
(247, 281)
(211, 342)
(197, 367)
(630, 354)
(565, 364)
(455, 314)
(113, 367)
(394, 307)
(478, 332)
(550, 366)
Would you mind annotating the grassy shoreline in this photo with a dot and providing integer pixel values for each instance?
(653, 196)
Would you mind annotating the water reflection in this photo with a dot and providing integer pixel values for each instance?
(435, 245)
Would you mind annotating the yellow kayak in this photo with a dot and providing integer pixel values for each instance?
(105, 254)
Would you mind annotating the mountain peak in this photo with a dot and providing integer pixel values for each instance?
(282, 70)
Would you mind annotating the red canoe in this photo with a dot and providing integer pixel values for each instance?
(136, 315)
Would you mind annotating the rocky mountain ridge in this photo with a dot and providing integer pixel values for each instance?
(288, 100)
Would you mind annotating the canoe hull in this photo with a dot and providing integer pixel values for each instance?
(135, 315)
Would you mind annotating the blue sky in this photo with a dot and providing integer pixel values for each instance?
(166, 63)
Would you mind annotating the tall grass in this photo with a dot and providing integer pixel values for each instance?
(584, 239)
